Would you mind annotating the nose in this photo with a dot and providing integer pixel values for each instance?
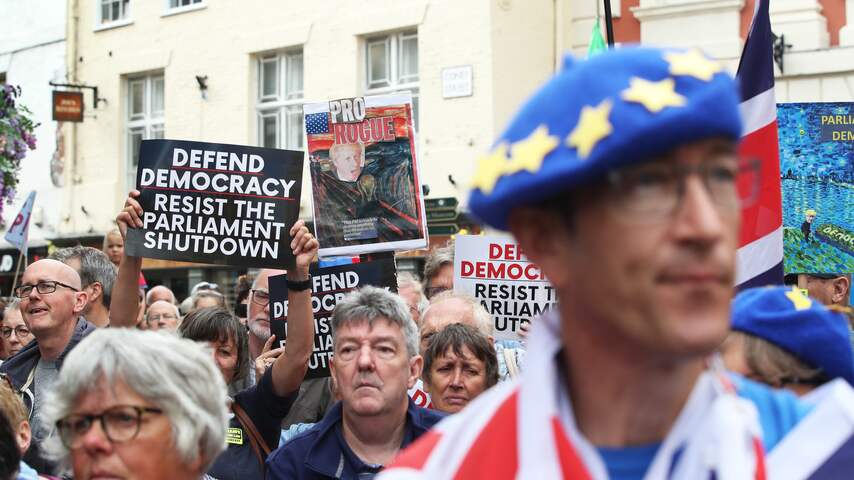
(366, 358)
(95, 440)
(698, 220)
(457, 379)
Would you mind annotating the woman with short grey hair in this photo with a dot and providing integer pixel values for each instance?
(146, 404)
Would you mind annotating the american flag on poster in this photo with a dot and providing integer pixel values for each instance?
(317, 123)
(760, 252)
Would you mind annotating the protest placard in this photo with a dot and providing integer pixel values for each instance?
(329, 285)
(817, 170)
(364, 174)
(494, 270)
(216, 203)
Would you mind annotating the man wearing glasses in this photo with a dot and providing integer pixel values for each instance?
(314, 395)
(620, 179)
(51, 302)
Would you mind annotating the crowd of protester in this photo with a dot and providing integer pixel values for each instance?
(104, 377)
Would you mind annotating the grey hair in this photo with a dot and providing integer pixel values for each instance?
(482, 318)
(407, 279)
(436, 259)
(14, 304)
(369, 303)
(149, 294)
(176, 374)
(95, 266)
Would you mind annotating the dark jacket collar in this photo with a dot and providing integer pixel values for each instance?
(324, 454)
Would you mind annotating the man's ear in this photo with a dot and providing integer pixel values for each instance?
(539, 234)
(841, 289)
(416, 363)
(80, 300)
(96, 291)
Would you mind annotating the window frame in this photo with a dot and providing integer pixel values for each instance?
(102, 24)
(151, 123)
(394, 52)
(281, 101)
(168, 9)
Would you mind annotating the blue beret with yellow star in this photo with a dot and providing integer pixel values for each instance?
(799, 325)
(616, 108)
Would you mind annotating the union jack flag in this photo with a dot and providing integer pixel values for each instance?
(760, 252)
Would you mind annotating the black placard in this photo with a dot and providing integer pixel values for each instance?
(329, 285)
(217, 203)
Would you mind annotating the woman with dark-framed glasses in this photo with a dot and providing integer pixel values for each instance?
(118, 414)
(14, 333)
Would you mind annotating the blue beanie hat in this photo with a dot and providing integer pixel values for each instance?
(617, 108)
(799, 325)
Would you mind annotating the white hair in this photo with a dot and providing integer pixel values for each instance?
(482, 318)
(177, 375)
(408, 279)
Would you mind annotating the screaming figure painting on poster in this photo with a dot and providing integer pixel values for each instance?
(364, 175)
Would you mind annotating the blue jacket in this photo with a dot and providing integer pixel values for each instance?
(319, 453)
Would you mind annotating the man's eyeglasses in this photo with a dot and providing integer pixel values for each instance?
(431, 292)
(120, 424)
(45, 287)
(655, 190)
(20, 331)
(164, 316)
(260, 297)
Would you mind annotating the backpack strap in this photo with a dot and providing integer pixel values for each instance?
(255, 439)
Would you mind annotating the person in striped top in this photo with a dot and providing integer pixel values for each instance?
(619, 178)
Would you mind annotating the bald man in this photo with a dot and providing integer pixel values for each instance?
(51, 303)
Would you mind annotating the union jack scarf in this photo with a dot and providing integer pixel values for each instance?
(526, 430)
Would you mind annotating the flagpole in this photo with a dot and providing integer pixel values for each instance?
(21, 258)
(609, 24)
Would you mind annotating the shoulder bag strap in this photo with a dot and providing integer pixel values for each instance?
(255, 439)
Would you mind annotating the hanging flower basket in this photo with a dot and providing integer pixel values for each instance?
(16, 137)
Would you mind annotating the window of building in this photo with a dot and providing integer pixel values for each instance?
(392, 65)
(2, 78)
(145, 120)
(183, 3)
(113, 11)
(280, 99)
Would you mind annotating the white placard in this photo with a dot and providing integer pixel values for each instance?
(494, 270)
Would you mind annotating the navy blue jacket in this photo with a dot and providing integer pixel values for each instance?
(320, 453)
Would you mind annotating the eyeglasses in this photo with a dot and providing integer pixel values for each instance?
(431, 292)
(20, 331)
(164, 316)
(655, 190)
(260, 297)
(45, 287)
(120, 424)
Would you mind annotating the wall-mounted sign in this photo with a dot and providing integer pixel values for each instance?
(67, 106)
(456, 82)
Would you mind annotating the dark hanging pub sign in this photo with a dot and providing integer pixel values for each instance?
(67, 106)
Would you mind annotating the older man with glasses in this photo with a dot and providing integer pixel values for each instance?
(51, 303)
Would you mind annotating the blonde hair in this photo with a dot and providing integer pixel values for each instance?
(11, 405)
(775, 366)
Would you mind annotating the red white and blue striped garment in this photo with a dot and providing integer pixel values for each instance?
(526, 430)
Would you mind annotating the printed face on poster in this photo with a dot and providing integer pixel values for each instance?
(216, 203)
(817, 170)
(364, 175)
(329, 285)
(496, 272)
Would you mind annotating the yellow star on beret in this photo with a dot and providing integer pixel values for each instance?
(528, 153)
(653, 95)
(593, 125)
(798, 299)
(490, 168)
(693, 63)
